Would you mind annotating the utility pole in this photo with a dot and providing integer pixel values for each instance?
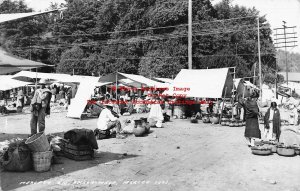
(286, 64)
(259, 59)
(190, 36)
(288, 40)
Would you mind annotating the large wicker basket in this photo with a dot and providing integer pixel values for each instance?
(42, 161)
(38, 142)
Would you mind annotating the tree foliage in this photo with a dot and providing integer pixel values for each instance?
(147, 37)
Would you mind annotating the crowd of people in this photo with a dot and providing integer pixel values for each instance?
(17, 98)
(110, 105)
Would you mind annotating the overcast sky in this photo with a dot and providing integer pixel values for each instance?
(276, 11)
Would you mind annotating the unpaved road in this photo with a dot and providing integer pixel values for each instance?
(180, 156)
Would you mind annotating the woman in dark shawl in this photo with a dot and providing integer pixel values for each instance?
(251, 109)
(272, 123)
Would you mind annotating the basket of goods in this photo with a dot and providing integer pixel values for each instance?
(227, 123)
(240, 123)
(76, 152)
(297, 151)
(283, 150)
(139, 130)
(194, 120)
(42, 161)
(223, 121)
(261, 150)
(214, 119)
(206, 119)
(38, 142)
(236, 123)
(272, 145)
(231, 122)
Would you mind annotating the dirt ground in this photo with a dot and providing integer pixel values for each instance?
(180, 156)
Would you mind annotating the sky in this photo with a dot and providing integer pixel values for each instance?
(276, 11)
(41, 5)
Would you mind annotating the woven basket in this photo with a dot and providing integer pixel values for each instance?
(38, 142)
(42, 161)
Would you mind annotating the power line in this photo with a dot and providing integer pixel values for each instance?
(165, 57)
(134, 40)
(147, 29)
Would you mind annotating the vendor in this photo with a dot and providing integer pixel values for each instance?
(272, 123)
(20, 98)
(108, 122)
(40, 107)
(156, 115)
(252, 130)
(293, 116)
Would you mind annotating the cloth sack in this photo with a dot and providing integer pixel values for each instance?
(17, 158)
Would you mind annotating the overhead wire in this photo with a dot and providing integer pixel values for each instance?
(133, 40)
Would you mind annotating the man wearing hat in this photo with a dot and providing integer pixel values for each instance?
(108, 122)
(40, 107)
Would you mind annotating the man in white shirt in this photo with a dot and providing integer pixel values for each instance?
(108, 122)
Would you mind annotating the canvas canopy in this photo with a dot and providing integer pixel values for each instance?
(206, 83)
(10, 63)
(7, 83)
(136, 80)
(165, 80)
(15, 16)
(83, 95)
(63, 78)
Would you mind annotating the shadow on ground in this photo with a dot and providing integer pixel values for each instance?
(14, 180)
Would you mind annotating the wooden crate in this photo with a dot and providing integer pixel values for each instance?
(79, 153)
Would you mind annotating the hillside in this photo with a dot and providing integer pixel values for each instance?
(293, 61)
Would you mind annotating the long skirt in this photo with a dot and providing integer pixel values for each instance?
(252, 128)
(268, 133)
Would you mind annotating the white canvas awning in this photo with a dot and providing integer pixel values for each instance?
(206, 83)
(15, 16)
(137, 80)
(165, 80)
(10, 63)
(6, 83)
(63, 78)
